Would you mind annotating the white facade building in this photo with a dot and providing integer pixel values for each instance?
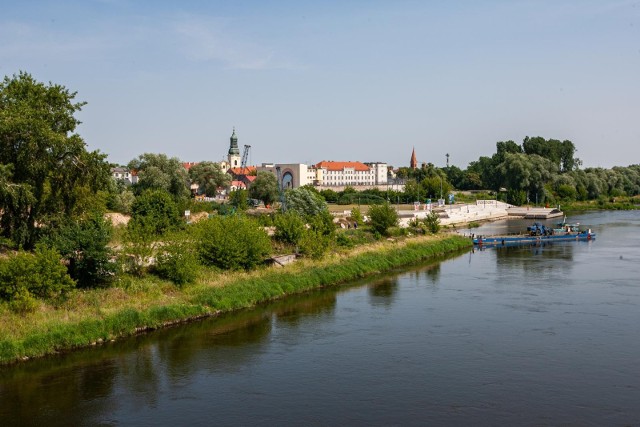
(330, 173)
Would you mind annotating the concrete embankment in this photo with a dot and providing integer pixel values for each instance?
(482, 210)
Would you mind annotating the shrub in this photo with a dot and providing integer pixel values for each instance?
(25, 275)
(382, 217)
(155, 211)
(432, 222)
(137, 250)
(344, 241)
(177, 261)
(314, 244)
(356, 216)
(232, 242)
(289, 228)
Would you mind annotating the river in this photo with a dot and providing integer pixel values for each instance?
(510, 336)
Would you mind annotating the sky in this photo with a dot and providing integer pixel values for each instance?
(306, 81)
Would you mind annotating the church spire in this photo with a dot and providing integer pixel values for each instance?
(414, 161)
(233, 146)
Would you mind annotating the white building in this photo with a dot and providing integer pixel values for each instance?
(124, 174)
(330, 173)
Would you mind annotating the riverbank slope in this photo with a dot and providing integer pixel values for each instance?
(98, 316)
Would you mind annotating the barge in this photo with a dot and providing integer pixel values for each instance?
(538, 234)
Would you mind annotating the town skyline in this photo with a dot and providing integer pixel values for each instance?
(360, 81)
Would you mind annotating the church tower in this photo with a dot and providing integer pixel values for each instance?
(234, 151)
(414, 162)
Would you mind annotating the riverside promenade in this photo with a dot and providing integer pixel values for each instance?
(481, 210)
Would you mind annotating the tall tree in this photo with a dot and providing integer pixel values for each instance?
(45, 169)
(159, 172)
(265, 188)
(209, 176)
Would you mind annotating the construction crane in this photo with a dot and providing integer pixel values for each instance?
(245, 156)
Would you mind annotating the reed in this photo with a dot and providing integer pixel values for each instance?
(102, 315)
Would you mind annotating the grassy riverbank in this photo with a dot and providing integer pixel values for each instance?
(91, 317)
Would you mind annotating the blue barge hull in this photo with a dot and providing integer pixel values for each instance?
(531, 240)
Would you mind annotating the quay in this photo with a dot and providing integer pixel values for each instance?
(481, 210)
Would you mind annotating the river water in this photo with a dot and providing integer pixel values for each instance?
(511, 336)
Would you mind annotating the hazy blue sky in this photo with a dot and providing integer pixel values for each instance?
(305, 81)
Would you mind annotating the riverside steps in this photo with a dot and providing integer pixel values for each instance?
(481, 210)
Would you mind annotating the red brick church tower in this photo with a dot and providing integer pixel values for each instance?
(414, 162)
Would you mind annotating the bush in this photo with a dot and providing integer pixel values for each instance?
(314, 244)
(137, 250)
(232, 242)
(382, 217)
(289, 228)
(177, 261)
(343, 241)
(25, 275)
(356, 216)
(432, 222)
(155, 211)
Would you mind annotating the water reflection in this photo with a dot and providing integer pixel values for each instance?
(383, 291)
(143, 366)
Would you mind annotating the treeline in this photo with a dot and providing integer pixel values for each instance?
(543, 171)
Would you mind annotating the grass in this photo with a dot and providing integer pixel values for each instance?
(88, 317)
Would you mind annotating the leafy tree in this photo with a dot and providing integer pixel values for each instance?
(159, 172)
(526, 173)
(265, 188)
(560, 153)
(155, 211)
(304, 202)
(209, 176)
(382, 217)
(123, 202)
(238, 199)
(44, 164)
(455, 176)
(83, 245)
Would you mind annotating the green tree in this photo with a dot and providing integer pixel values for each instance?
(159, 172)
(83, 245)
(382, 217)
(265, 188)
(209, 176)
(154, 211)
(304, 202)
(44, 164)
(238, 199)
